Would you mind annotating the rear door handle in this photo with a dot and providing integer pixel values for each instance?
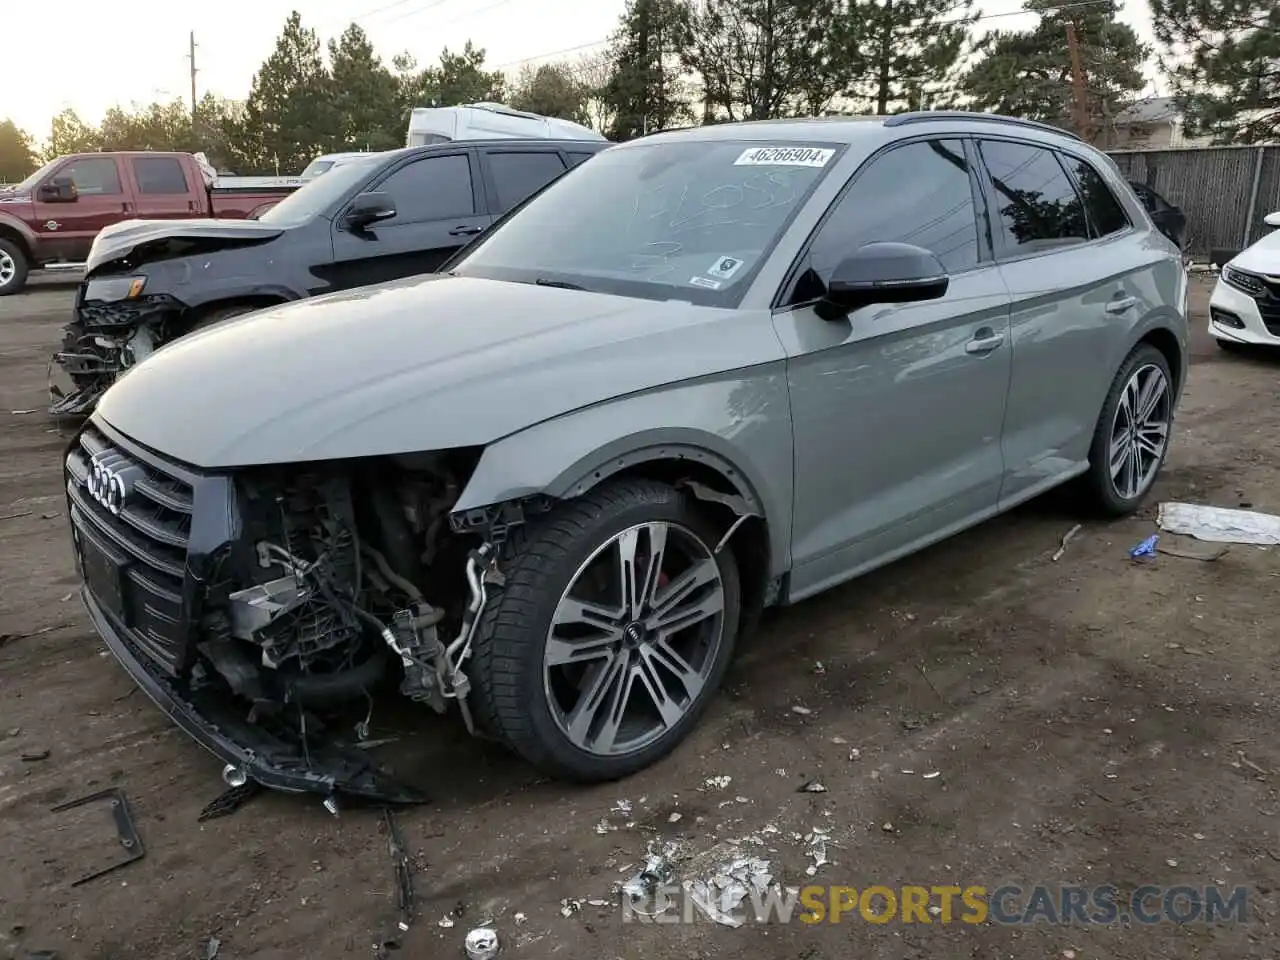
(984, 342)
(464, 231)
(1121, 304)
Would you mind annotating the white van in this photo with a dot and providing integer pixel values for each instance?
(488, 121)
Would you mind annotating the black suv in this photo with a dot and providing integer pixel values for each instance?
(374, 218)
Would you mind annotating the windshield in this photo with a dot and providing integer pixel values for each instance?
(687, 219)
(315, 168)
(313, 198)
(28, 185)
(426, 139)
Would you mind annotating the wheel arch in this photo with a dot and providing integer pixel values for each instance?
(1166, 341)
(727, 491)
(256, 300)
(11, 233)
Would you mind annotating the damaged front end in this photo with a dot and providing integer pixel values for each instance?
(125, 310)
(104, 340)
(274, 613)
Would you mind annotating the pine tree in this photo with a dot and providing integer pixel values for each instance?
(645, 90)
(906, 50)
(759, 59)
(1028, 74)
(1223, 60)
(289, 117)
(365, 95)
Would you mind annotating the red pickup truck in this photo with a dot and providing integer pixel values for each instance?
(49, 220)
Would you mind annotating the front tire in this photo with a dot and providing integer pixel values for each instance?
(218, 315)
(13, 268)
(1131, 439)
(592, 661)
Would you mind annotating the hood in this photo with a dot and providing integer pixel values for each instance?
(121, 239)
(10, 194)
(1262, 257)
(429, 363)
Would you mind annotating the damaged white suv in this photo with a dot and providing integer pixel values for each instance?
(704, 372)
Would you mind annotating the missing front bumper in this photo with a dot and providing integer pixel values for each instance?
(267, 760)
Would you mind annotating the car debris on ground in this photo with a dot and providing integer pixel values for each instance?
(1220, 524)
(1062, 547)
(482, 944)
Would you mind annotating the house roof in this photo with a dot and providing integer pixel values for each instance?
(1149, 110)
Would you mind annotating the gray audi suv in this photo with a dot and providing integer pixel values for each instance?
(710, 371)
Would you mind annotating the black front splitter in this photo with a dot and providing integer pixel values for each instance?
(272, 762)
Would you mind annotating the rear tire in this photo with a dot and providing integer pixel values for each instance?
(13, 268)
(528, 686)
(1130, 441)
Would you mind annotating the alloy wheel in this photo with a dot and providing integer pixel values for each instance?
(8, 269)
(1139, 432)
(634, 639)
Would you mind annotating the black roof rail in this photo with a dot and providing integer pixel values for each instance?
(924, 116)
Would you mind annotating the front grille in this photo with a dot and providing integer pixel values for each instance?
(132, 545)
(97, 313)
(1269, 304)
(1265, 292)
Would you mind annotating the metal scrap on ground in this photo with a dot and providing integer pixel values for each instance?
(1220, 524)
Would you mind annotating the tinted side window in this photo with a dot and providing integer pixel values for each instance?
(1104, 210)
(517, 175)
(1037, 205)
(577, 158)
(93, 176)
(159, 175)
(434, 188)
(918, 193)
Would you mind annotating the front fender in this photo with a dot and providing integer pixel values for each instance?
(739, 425)
(198, 282)
(23, 230)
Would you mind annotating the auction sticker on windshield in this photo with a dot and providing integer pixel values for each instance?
(724, 268)
(785, 157)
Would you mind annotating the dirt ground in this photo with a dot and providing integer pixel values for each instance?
(1094, 720)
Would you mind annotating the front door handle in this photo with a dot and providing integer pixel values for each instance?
(983, 342)
(464, 231)
(1121, 304)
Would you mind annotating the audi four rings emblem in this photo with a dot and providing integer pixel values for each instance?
(111, 479)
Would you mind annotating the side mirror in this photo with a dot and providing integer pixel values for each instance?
(883, 273)
(1272, 219)
(367, 209)
(58, 190)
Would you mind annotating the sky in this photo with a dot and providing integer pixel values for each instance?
(133, 52)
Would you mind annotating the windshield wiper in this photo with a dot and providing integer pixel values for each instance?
(561, 284)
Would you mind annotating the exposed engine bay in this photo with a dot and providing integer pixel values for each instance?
(345, 585)
(103, 342)
(122, 316)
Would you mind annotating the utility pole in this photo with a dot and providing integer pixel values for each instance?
(192, 57)
(1077, 83)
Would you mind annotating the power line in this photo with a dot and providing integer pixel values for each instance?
(959, 6)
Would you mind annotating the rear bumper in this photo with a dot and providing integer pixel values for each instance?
(270, 762)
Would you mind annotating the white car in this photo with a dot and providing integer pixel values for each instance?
(1245, 306)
